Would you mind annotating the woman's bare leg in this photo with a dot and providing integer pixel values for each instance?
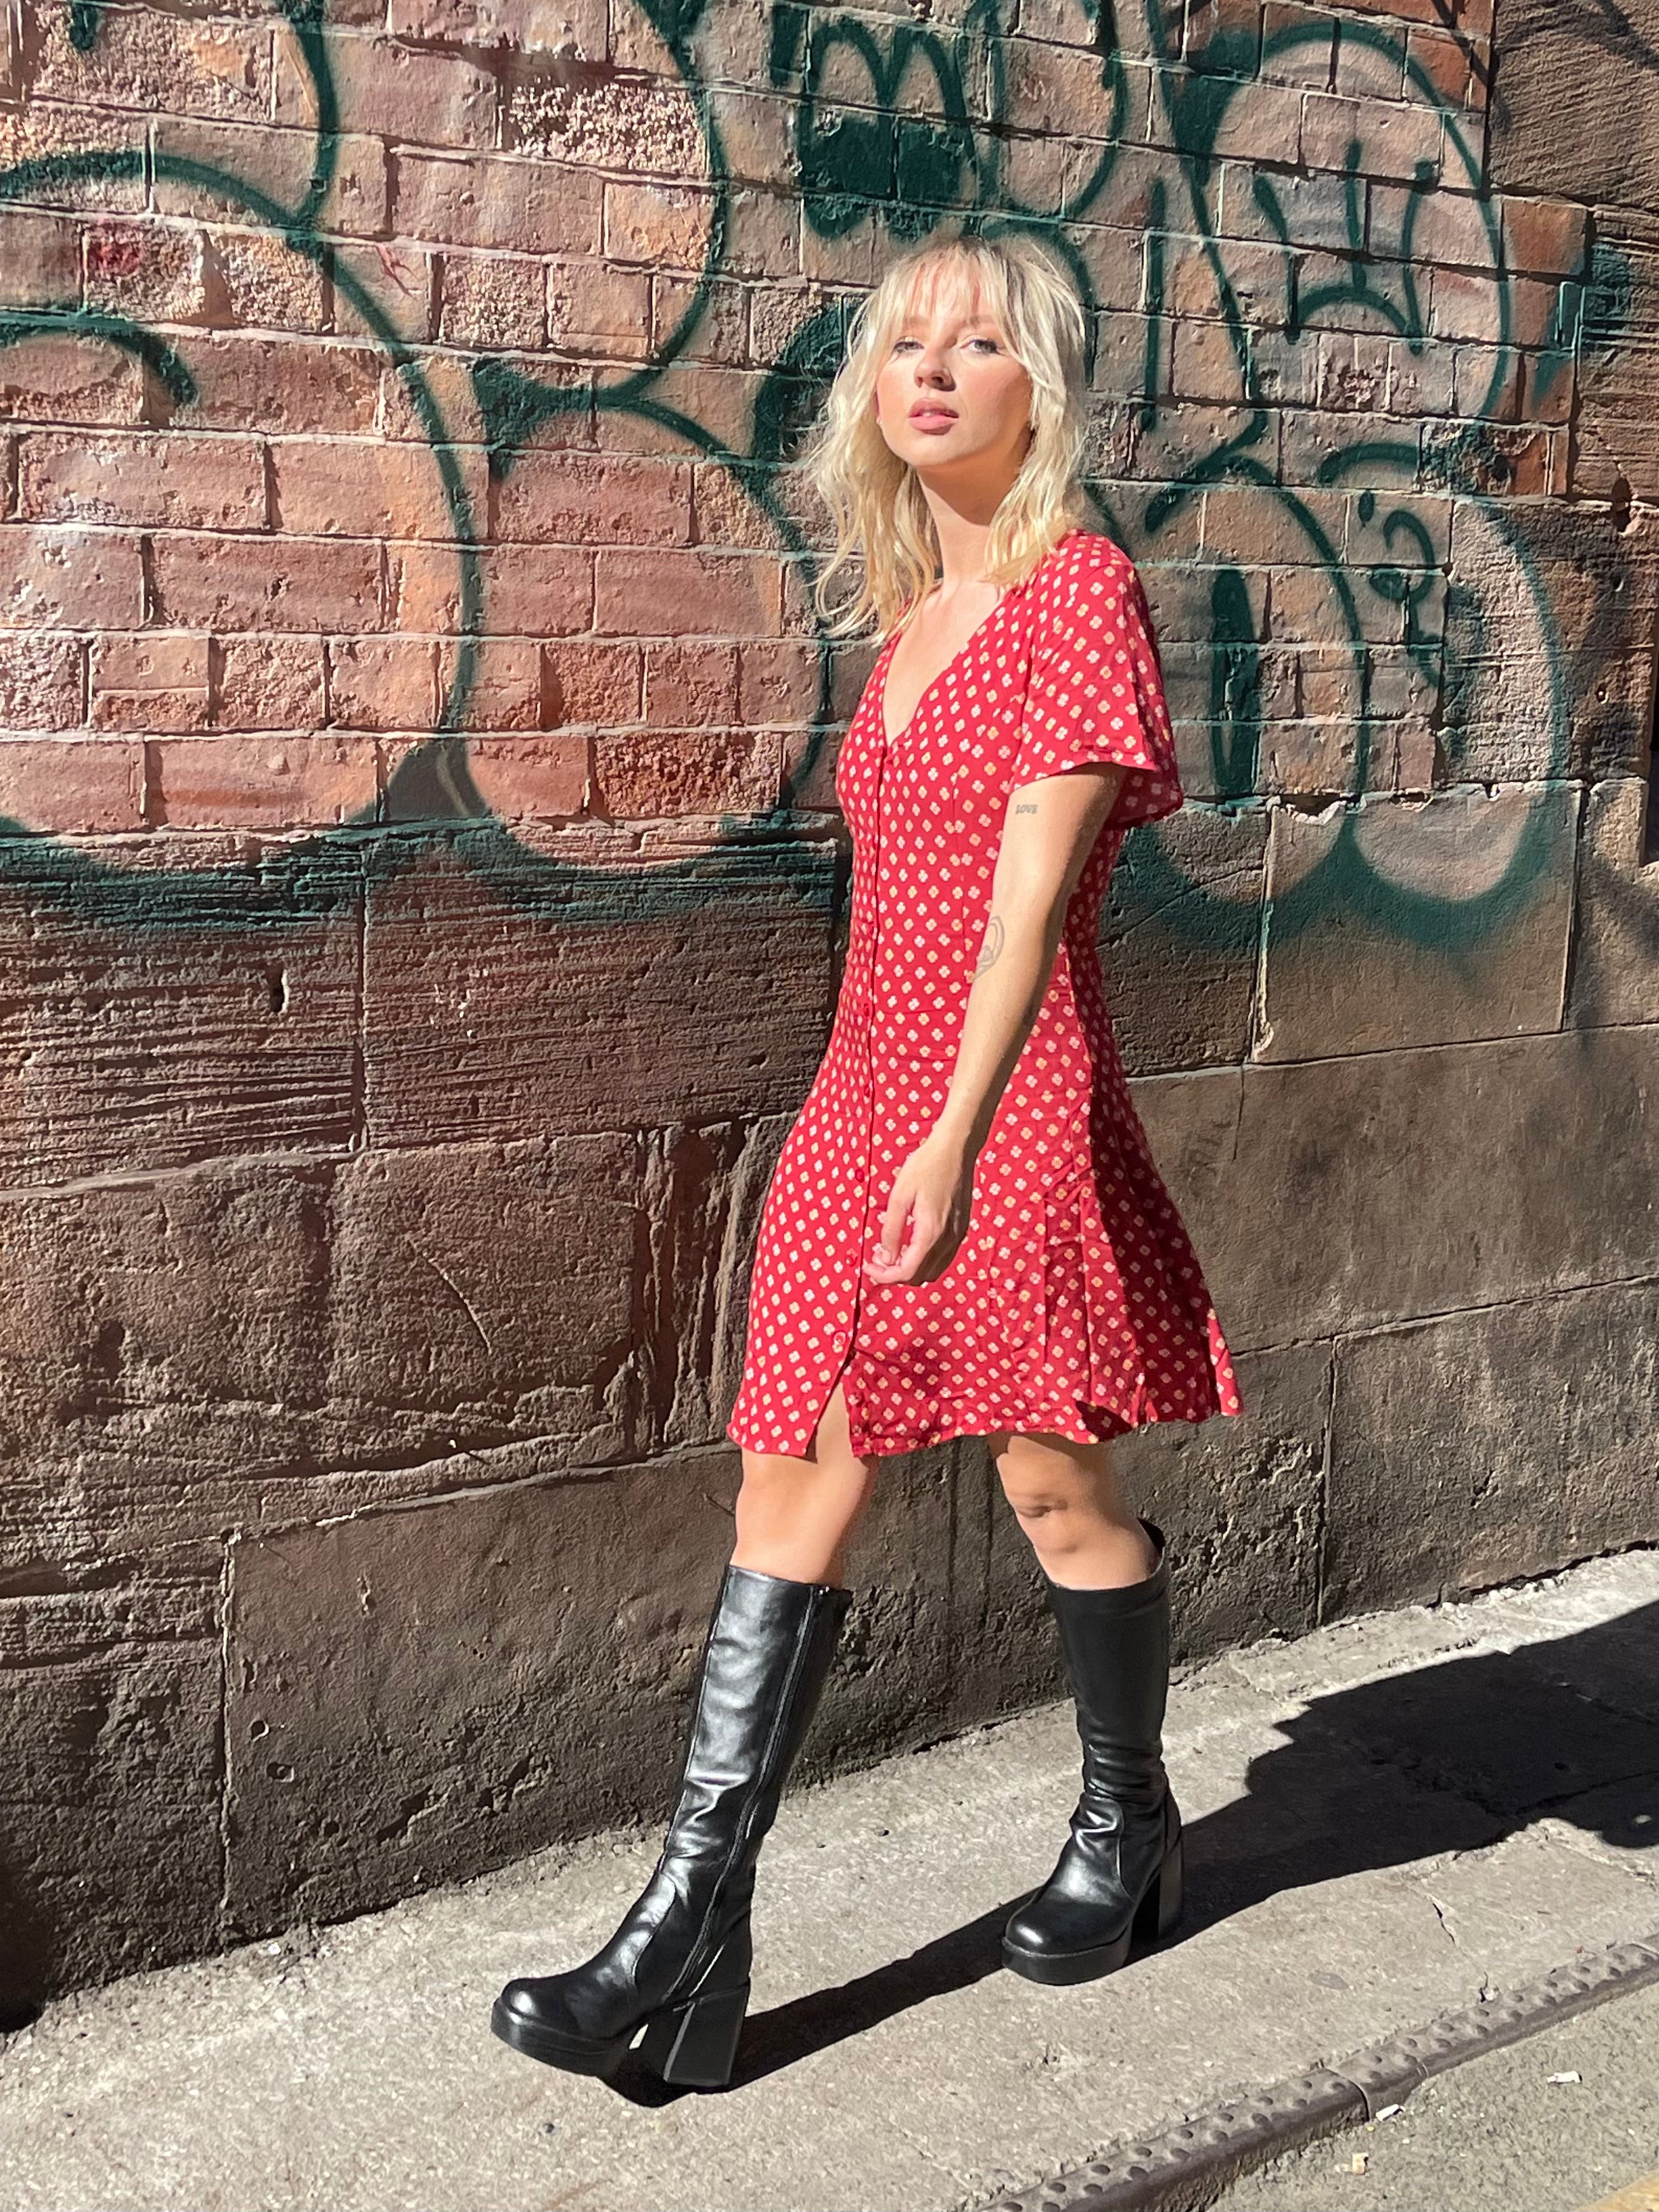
(1066, 1499)
(794, 1516)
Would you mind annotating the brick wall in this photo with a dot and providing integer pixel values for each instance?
(421, 889)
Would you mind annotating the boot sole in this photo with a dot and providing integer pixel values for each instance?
(1155, 1918)
(553, 2050)
(693, 2044)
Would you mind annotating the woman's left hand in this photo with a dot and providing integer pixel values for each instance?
(933, 1191)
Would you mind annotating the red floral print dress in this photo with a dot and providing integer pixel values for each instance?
(1074, 1305)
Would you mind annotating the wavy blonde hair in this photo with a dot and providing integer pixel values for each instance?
(881, 517)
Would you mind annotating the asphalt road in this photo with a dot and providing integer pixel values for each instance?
(1498, 2132)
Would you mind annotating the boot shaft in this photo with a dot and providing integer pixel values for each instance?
(765, 1661)
(1116, 1647)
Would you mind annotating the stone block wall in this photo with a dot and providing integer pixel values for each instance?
(421, 889)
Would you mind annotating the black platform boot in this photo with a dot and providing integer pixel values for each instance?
(679, 1962)
(1116, 1885)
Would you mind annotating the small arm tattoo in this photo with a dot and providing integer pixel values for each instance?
(991, 947)
(1025, 806)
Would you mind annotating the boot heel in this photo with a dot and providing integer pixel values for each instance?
(695, 2043)
(1159, 1910)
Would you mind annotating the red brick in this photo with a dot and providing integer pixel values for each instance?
(363, 488)
(778, 683)
(1548, 389)
(153, 62)
(51, 379)
(505, 689)
(1448, 227)
(150, 271)
(1469, 307)
(531, 26)
(430, 99)
(719, 332)
(155, 682)
(663, 226)
(268, 683)
(589, 682)
(690, 686)
(400, 280)
(158, 477)
(537, 779)
(281, 163)
(41, 129)
(639, 123)
(382, 684)
(663, 775)
(75, 787)
(1205, 363)
(265, 583)
(722, 402)
(39, 681)
(262, 283)
(679, 595)
(1299, 45)
(574, 496)
(527, 207)
(273, 782)
(445, 388)
(1445, 60)
(1547, 237)
(69, 579)
(315, 386)
(757, 138)
(39, 260)
(491, 301)
(1394, 141)
(528, 591)
(593, 308)
(1225, 33)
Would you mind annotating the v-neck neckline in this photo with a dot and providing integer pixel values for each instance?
(892, 738)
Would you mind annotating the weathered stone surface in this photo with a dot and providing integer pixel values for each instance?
(484, 1297)
(1615, 436)
(600, 995)
(459, 1684)
(1550, 619)
(1437, 922)
(1340, 1194)
(1616, 952)
(239, 1346)
(1240, 1501)
(1182, 937)
(111, 1769)
(1452, 1469)
(154, 1016)
(162, 1346)
(1577, 62)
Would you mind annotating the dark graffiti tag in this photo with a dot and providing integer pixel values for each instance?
(900, 123)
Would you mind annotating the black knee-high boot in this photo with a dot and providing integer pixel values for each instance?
(1117, 1881)
(679, 1962)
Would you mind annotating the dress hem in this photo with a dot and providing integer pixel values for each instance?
(1050, 1421)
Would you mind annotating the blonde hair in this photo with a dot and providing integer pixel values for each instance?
(881, 517)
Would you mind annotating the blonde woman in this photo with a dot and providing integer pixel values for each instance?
(964, 1234)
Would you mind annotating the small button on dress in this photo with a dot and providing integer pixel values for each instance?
(1074, 1305)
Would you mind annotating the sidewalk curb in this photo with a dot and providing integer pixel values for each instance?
(1186, 2168)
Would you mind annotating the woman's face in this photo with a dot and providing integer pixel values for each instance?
(950, 397)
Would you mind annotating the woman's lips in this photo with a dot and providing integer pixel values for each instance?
(931, 419)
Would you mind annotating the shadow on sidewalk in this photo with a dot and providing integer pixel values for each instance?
(1448, 1757)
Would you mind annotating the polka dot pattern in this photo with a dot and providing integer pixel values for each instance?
(1074, 1305)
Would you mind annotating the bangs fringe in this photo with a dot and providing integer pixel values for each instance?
(882, 520)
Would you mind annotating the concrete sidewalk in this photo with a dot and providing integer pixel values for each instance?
(1387, 1818)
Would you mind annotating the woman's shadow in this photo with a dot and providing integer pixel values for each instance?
(1448, 1757)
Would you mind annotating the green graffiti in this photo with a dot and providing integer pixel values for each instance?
(885, 123)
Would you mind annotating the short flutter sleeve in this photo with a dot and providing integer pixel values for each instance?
(1096, 688)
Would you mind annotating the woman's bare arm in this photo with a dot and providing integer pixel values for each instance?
(1047, 834)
